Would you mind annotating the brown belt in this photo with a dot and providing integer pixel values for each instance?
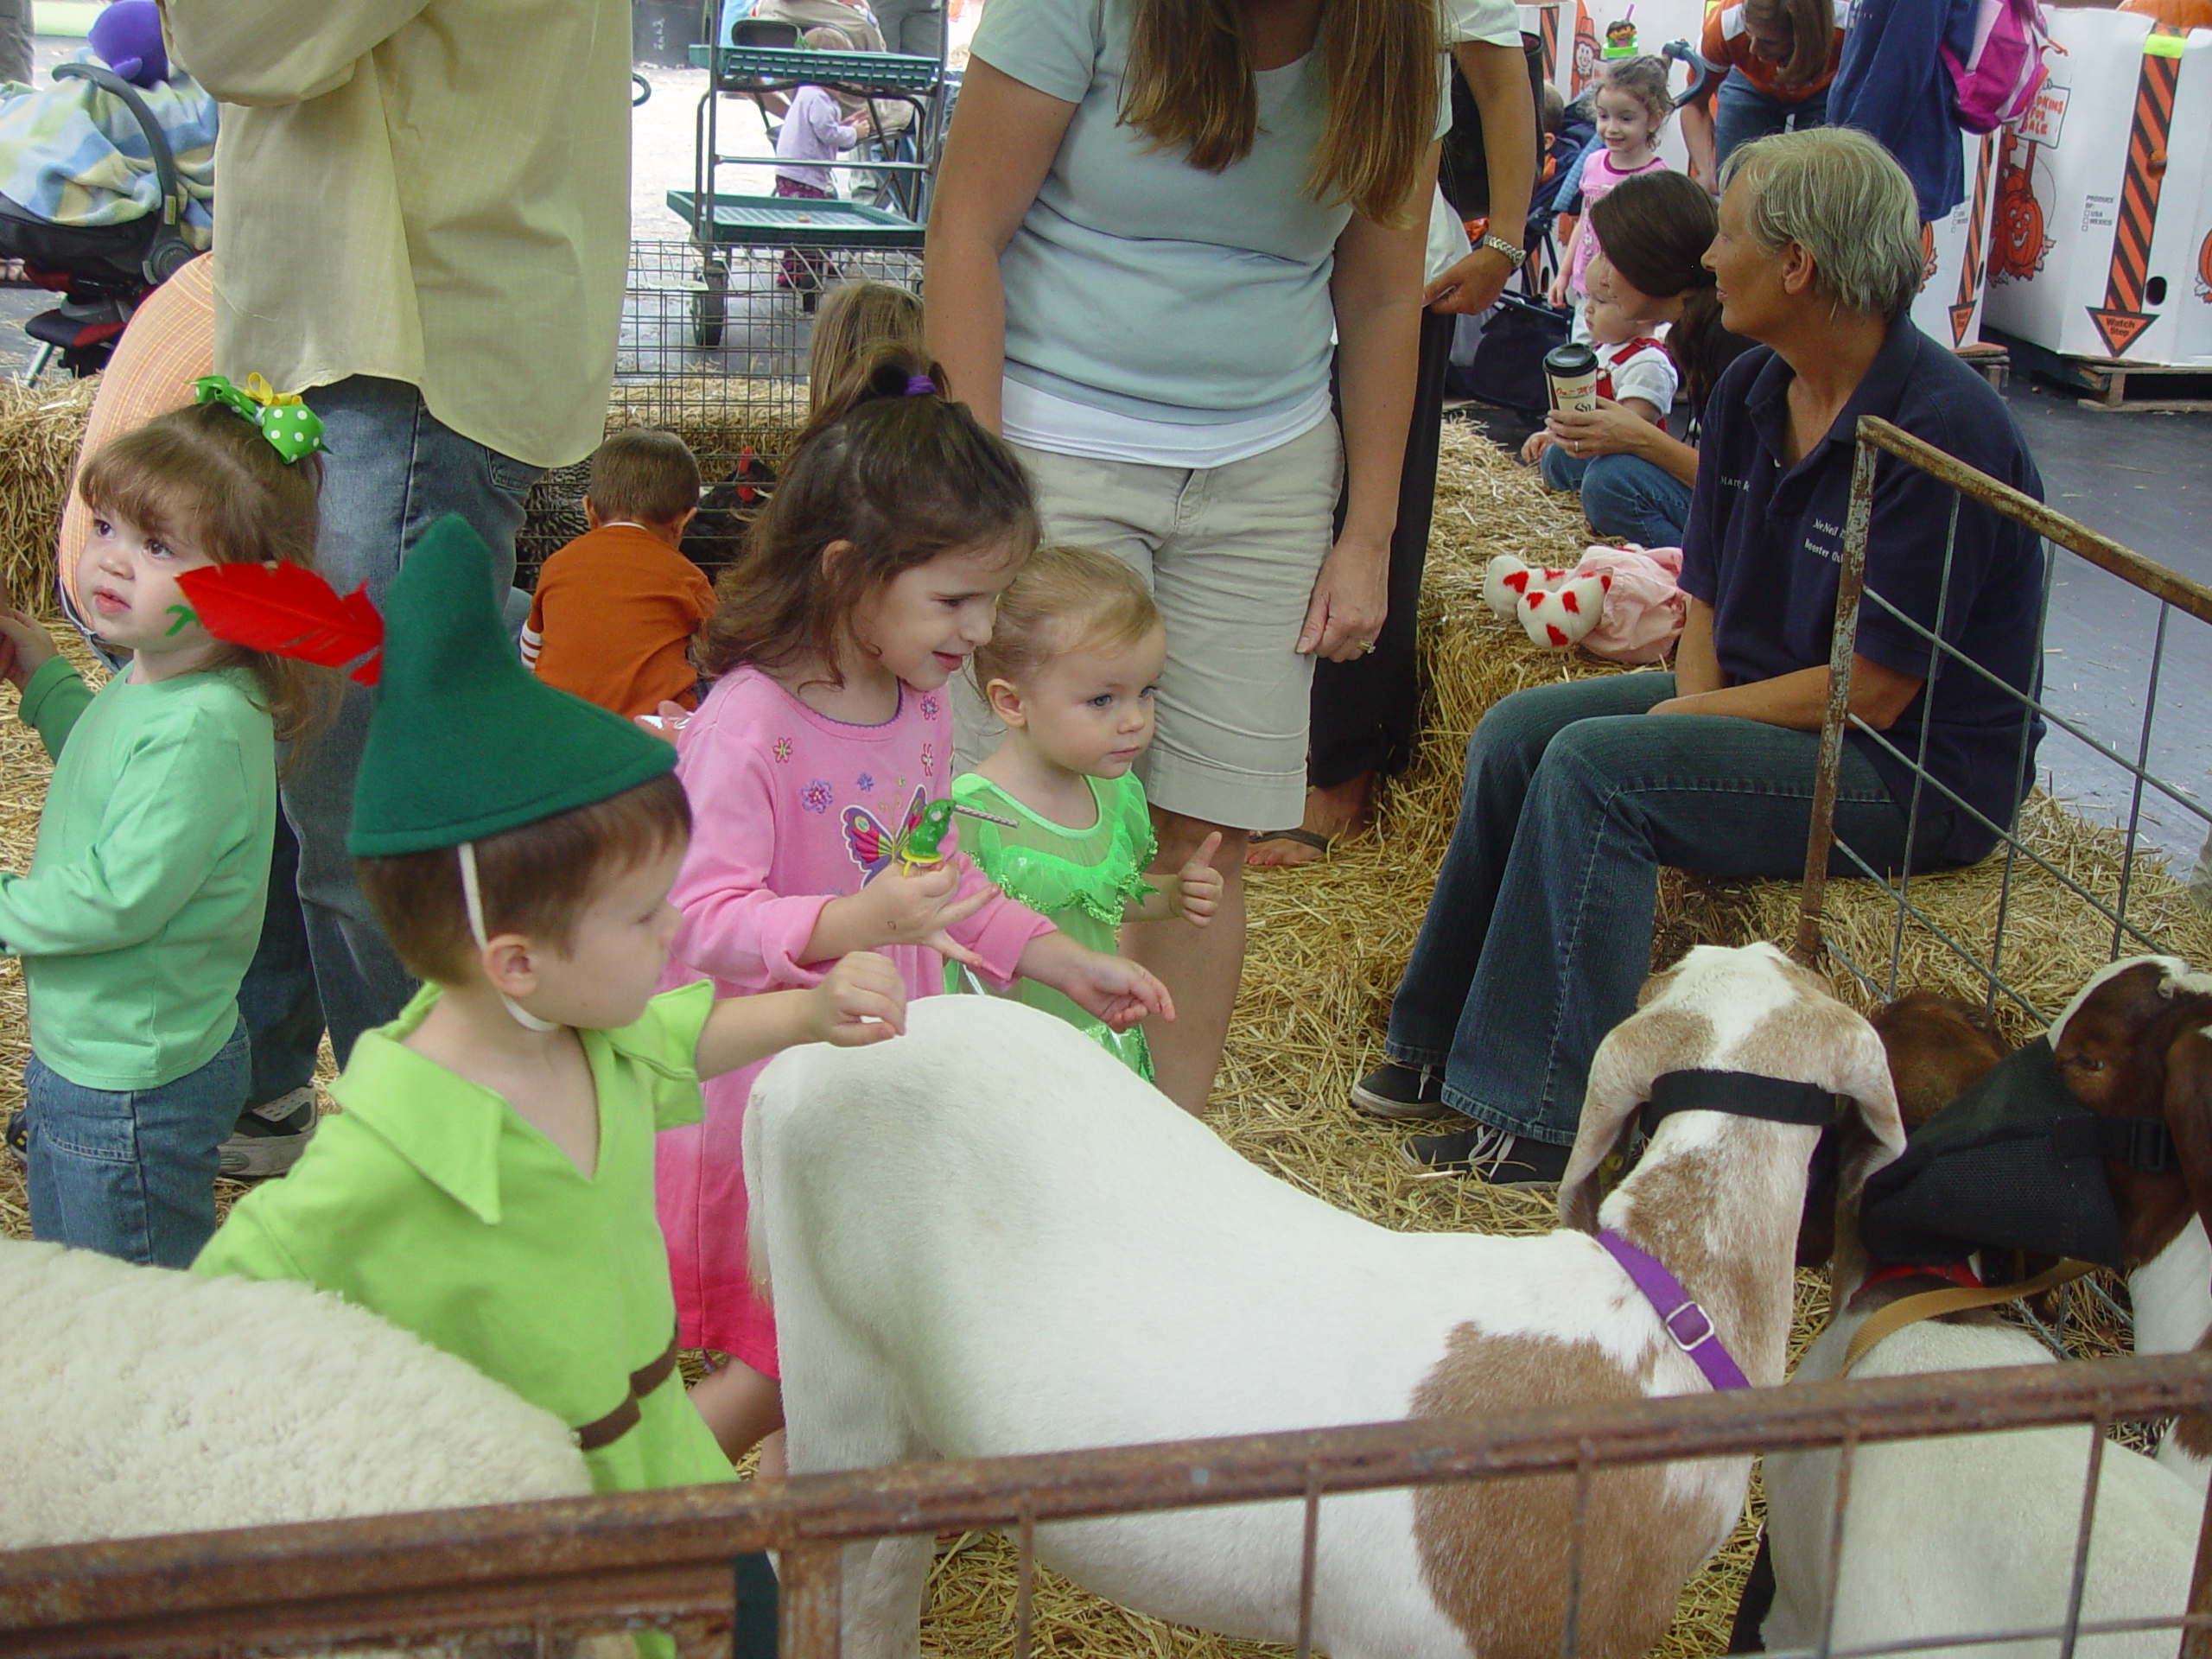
(605, 1431)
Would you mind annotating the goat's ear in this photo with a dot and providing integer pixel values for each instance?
(2188, 1104)
(1864, 1075)
(1633, 1052)
(1873, 1136)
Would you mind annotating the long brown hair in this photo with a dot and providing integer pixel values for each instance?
(206, 476)
(898, 470)
(1810, 25)
(1189, 85)
(1654, 229)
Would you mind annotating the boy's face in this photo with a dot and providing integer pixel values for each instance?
(616, 952)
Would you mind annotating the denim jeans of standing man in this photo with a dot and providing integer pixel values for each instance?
(1742, 112)
(1539, 931)
(393, 470)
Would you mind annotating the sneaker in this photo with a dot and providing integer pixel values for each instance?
(269, 1138)
(1399, 1093)
(19, 1139)
(1490, 1155)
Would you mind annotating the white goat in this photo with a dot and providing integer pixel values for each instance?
(1973, 1532)
(990, 1238)
(153, 1401)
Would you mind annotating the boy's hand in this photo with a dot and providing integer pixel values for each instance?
(861, 1000)
(897, 908)
(1538, 443)
(27, 647)
(1199, 884)
(665, 721)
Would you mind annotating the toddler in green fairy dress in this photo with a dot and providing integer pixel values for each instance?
(1070, 667)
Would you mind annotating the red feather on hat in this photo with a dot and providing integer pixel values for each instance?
(288, 610)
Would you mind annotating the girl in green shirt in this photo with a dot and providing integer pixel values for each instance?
(1075, 651)
(142, 903)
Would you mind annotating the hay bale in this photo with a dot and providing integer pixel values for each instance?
(42, 428)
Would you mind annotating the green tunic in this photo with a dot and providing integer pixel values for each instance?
(430, 1201)
(1083, 880)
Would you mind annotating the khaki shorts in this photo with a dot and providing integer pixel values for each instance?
(1230, 554)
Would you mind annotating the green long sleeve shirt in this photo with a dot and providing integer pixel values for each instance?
(142, 903)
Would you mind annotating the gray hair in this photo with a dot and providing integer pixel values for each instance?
(1841, 197)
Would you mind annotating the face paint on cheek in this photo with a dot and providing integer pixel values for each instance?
(185, 620)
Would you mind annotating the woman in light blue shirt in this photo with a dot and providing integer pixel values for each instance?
(1154, 220)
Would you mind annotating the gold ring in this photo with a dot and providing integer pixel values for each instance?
(1367, 649)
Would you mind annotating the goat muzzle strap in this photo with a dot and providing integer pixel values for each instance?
(1740, 1094)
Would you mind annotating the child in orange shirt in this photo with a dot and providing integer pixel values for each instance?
(615, 609)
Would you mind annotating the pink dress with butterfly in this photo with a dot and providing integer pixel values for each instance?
(771, 782)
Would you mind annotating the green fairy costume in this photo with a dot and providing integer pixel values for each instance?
(1084, 879)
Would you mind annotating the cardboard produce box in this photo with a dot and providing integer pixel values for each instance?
(2099, 239)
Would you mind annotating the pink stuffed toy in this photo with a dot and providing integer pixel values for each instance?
(1621, 603)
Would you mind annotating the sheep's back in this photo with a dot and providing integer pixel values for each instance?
(154, 1401)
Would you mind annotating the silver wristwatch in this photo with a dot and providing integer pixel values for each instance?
(1498, 244)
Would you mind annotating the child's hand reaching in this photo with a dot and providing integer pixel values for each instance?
(897, 908)
(861, 1000)
(1115, 989)
(27, 647)
(1199, 885)
(1538, 440)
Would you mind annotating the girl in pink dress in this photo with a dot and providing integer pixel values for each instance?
(1631, 105)
(869, 580)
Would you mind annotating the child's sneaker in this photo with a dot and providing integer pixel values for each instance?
(271, 1137)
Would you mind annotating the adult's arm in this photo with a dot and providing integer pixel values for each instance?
(1497, 76)
(1614, 429)
(278, 51)
(1004, 135)
(1797, 701)
(1376, 291)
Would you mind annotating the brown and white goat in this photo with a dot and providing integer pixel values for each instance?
(990, 1238)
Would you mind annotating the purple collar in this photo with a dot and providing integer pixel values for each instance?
(1690, 1325)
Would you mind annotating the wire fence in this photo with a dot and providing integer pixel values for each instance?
(2144, 785)
(537, 1574)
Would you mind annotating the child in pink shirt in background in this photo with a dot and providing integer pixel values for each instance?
(869, 581)
(1631, 105)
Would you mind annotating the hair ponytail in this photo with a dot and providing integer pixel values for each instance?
(889, 465)
(1654, 229)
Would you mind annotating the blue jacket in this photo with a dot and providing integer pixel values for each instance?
(1890, 82)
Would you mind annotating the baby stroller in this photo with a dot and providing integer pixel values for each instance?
(102, 271)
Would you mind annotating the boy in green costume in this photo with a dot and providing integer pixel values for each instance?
(489, 1184)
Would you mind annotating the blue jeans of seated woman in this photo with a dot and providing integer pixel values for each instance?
(1742, 112)
(132, 1175)
(1625, 497)
(1539, 931)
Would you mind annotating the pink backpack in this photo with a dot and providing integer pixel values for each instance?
(1997, 81)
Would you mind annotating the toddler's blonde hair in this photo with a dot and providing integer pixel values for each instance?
(1063, 598)
(855, 320)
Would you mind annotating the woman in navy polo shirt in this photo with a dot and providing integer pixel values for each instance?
(1539, 931)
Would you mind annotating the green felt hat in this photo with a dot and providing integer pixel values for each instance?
(465, 741)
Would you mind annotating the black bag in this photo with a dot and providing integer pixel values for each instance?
(1508, 369)
(1462, 164)
(2015, 1163)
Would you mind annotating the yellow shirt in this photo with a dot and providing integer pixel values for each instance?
(434, 193)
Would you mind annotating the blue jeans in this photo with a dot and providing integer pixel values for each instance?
(1539, 931)
(393, 470)
(1625, 497)
(1742, 112)
(132, 1175)
(278, 1000)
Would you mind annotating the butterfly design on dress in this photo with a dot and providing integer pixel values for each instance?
(921, 838)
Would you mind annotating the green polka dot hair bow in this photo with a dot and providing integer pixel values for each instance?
(293, 429)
